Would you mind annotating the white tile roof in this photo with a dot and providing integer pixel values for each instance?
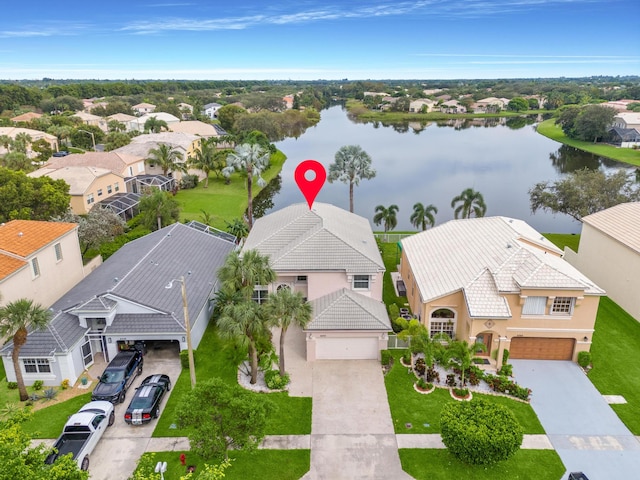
(621, 222)
(487, 256)
(325, 238)
(348, 310)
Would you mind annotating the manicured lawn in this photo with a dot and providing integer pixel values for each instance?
(441, 465)
(391, 258)
(223, 202)
(548, 128)
(263, 464)
(562, 240)
(423, 411)
(48, 422)
(293, 416)
(615, 355)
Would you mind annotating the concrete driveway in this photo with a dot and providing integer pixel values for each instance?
(582, 427)
(122, 445)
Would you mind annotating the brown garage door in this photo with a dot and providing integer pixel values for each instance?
(542, 348)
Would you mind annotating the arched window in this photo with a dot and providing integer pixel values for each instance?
(443, 320)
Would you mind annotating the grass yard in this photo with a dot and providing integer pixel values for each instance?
(391, 258)
(263, 464)
(223, 202)
(48, 422)
(616, 369)
(294, 413)
(562, 240)
(441, 465)
(549, 129)
(423, 411)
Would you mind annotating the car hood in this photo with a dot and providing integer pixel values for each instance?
(106, 389)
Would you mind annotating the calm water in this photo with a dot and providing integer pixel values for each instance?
(432, 164)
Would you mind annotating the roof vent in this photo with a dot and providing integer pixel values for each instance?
(508, 245)
(116, 280)
(20, 234)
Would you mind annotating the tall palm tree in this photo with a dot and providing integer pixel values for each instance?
(5, 141)
(423, 216)
(470, 202)
(460, 353)
(351, 165)
(243, 271)
(167, 158)
(252, 159)
(16, 318)
(204, 159)
(284, 308)
(158, 208)
(386, 216)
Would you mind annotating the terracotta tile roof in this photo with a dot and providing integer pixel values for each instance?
(8, 265)
(23, 237)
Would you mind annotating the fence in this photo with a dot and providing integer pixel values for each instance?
(394, 343)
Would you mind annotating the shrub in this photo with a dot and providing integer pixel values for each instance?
(479, 432)
(394, 311)
(37, 385)
(12, 385)
(420, 367)
(385, 357)
(432, 375)
(189, 181)
(34, 397)
(461, 392)
(505, 357)
(65, 384)
(50, 393)
(422, 384)
(184, 359)
(275, 381)
(584, 359)
(506, 370)
(451, 380)
(406, 358)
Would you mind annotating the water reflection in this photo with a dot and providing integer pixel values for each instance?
(264, 200)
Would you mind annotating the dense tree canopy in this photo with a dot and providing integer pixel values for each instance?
(158, 209)
(99, 226)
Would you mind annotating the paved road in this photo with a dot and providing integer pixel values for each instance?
(582, 427)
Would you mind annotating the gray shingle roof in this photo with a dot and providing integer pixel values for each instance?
(348, 310)
(139, 273)
(325, 238)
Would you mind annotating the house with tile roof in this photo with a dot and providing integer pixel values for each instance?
(211, 110)
(196, 127)
(134, 296)
(26, 117)
(142, 108)
(38, 260)
(35, 135)
(164, 116)
(129, 121)
(497, 281)
(92, 120)
(615, 231)
(331, 256)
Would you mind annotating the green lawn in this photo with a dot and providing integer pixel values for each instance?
(549, 129)
(391, 258)
(562, 240)
(223, 202)
(271, 464)
(48, 422)
(441, 465)
(423, 411)
(616, 365)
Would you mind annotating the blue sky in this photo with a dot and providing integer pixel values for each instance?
(310, 39)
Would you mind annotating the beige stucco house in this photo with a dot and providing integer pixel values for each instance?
(142, 108)
(92, 120)
(609, 253)
(35, 135)
(331, 256)
(627, 120)
(118, 162)
(38, 260)
(196, 127)
(129, 121)
(497, 281)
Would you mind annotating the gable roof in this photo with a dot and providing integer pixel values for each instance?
(324, 238)
(345, 309)
(122, 117)
(487, 256)
(196, 127)
(621, 222)
(78, 178)
(114, 161)
(25, 237)
(26, 117)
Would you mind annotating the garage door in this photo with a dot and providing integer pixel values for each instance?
(542, 348)
(347, 348)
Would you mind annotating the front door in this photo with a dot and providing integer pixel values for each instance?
(484, 339)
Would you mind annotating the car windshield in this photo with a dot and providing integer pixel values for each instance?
(112, 376)
(139, 403)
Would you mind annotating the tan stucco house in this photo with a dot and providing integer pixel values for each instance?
(331, 256)
(497, 281)
(38, 260)
(609, 253)
(35, 135)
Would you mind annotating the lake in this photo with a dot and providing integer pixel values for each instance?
(502, 159)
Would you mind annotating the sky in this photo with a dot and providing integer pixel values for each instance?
(312, 40)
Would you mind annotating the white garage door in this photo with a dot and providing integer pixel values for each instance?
(347, 348)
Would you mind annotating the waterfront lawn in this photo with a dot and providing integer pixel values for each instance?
(423, 411)
(562, 240)
(549, 129)
(439, 464)
(616, 370)
(263, 464)
(293, 416)
(223, 202)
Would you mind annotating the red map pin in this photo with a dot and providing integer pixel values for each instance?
(310, 188)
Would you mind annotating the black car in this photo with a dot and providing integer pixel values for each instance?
(118, 376)
(145, 403)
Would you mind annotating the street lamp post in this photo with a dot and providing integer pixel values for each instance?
(192, 370)
(93, 138)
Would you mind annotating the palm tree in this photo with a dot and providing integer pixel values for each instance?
(461, 354)
(204, 159)
(154, 125)
(238, 228)
(423, 216)
(242, 272)
(386, 216)
(471, 202)
(158, 208)
(351, 165)
(252, 159)
(167, 158)
(5, 141)
(16, 318)
(284, 308)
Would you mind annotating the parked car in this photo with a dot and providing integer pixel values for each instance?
(577, 476)
(82, 432)
(118, 376)
(145, 403)
(61, 153)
